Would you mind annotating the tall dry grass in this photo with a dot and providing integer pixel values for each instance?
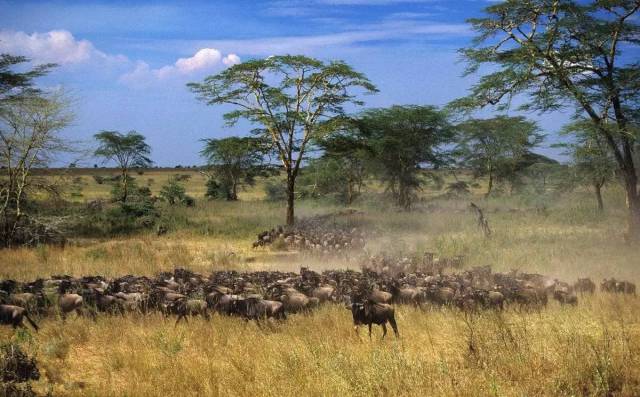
(591, 349)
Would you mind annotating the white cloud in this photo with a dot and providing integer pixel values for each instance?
(231, 59)
(204, 59)
(55, 46)
(139, 75)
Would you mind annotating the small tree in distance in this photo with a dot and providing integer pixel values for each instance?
(593, 162)
(294, 100)
(400, 141)
(234, 161)
(127, 150)
(490, 147)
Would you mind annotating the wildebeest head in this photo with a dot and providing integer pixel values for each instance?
(358, 312)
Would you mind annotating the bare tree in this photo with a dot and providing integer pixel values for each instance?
(30, 138)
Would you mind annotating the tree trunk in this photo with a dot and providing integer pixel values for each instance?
(633, 201)
(125, 186)
(404, 199)
(234, 191)
(290, 198)
(490, 187)
(598, 189)
(349, 193)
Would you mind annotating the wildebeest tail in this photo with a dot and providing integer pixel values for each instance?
(33, 324)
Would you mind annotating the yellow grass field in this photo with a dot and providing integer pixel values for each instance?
(591, 349)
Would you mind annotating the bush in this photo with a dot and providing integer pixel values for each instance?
(275, 190)
(99, 179)
(182, 177)
(17, 369)
(458, 189)
(189, 201)
(175, 193)
(138, 212)
(15, 365)
(217, 190)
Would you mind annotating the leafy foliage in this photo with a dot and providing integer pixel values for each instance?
(592, 160)
(565, 52)
(275, 191)
(293, 101)
(495, 147)
(402, 140)
(173, 192)
(30, 124)
(332, 176)
(127, 150)
(233, 162)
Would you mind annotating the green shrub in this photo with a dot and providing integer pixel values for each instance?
(275, 191)
(137, 213)
(217, 189)
(173, 192)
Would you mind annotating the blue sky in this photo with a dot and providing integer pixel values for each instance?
(126, 63)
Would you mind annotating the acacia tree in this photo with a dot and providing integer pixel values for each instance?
(30, 125)
(127, 150)
(294, 101)
(490, 146)
(592, 159)
(234, 161)
(402, 140)
(565, 52)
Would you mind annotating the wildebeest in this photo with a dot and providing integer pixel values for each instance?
(188, 307)
(531, 297)
(407, 295)
(380, 296)
(619, 287)
(68, 303)
(440, 295)
(324, 294)
(585, 285)
(222, 304)
(256, 308)
(13, 315)
(565, 298)
(370, 312)
(296, 302)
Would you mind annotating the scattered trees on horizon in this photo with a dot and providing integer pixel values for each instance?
(556, 53)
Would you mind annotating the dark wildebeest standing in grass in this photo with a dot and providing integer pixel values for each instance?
(256, 308)
(585, 285)
(369, 313)
(189, 307)
(14, 315)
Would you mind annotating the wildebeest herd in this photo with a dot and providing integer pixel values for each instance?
(321, 234)
(260, 295)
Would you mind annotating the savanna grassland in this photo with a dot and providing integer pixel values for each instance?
(591, 349)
